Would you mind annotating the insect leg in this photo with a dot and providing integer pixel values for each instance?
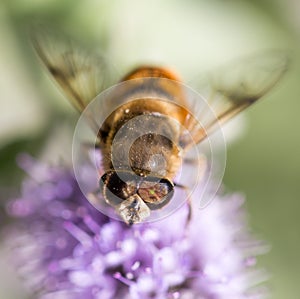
(191, 161)
(201, 161)
(189, 202)
(89, 146)
(93, 197)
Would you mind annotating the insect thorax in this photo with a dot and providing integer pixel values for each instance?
(140, 137)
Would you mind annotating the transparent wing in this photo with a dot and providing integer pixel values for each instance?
(80, 74)
(233, 88)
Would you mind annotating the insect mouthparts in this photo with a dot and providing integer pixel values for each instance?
(133, 210)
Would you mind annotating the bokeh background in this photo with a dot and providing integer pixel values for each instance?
(193, 36)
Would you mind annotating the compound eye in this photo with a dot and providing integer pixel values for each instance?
(156, 192)
(116, 187)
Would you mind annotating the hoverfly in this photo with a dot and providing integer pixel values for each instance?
(134, 183)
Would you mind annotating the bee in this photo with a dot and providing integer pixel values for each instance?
(142, 141)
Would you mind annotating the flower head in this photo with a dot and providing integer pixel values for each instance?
(64, 248)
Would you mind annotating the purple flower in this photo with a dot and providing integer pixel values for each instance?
(64, 248)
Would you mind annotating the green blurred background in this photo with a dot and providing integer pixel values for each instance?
(193, 37)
